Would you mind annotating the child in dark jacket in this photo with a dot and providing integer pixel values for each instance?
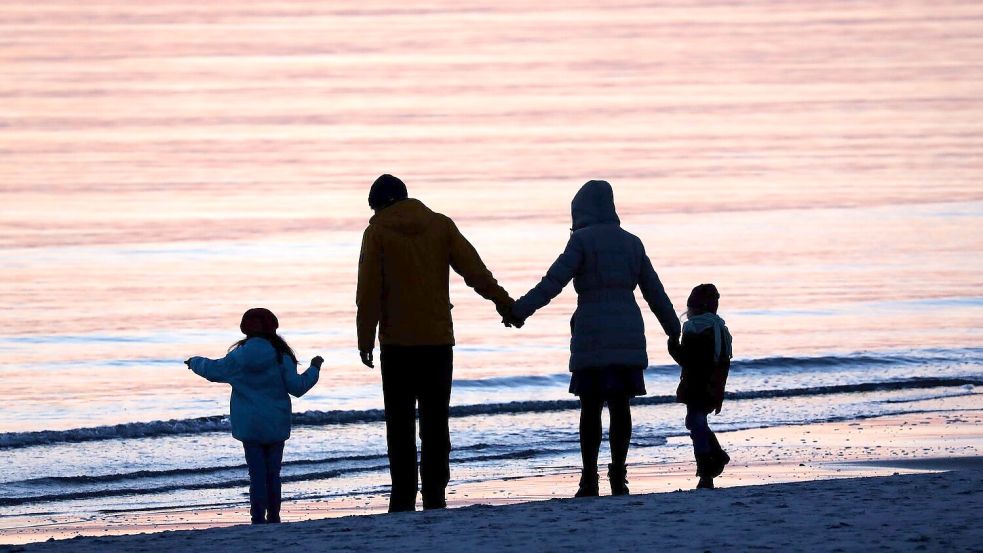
(704, 355)
(262, 370)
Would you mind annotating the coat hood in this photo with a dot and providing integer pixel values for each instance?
(405, 217)
(594, 205)
(260, 355)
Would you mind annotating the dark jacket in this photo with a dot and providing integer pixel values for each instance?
(703, 355)
(606, 264)
(403, 272)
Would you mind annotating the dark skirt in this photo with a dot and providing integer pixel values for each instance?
(608, 382)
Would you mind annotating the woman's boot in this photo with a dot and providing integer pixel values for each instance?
(618, 476)
(588, 485)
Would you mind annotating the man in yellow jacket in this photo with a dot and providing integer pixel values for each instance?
(403, 273)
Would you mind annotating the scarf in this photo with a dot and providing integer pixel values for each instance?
(721, 336)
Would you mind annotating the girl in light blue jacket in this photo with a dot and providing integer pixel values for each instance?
(262, 370)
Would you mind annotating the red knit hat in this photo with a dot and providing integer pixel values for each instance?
(258, 320)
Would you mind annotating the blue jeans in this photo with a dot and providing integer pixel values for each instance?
(699, 430)
(264, 462)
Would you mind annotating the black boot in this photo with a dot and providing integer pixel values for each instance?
(705, 483)
(618, 476)
(434, 501)
(588, 485)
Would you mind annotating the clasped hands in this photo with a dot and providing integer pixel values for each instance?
(508, 318)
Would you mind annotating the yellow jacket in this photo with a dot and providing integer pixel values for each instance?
(403, 273)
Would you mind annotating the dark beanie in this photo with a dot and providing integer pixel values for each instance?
(386, 190)
(258, 321)
(703, 299)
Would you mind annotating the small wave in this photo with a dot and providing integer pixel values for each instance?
(204, 471)
(920, 357)
(15, 440)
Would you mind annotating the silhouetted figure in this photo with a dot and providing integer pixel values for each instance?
(403, 272)
(607, 349)
(262, 370)
(704, 357)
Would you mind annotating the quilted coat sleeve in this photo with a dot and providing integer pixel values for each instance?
(557, 277)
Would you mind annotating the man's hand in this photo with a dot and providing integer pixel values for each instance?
(508, 319)
(317, 361)
(505, 310)
(367, 358)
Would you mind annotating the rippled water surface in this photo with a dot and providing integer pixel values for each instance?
(166, 165)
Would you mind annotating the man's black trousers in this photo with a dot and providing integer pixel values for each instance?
(412, 374)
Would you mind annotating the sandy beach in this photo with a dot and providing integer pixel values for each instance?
(842, 486)
(915, 512)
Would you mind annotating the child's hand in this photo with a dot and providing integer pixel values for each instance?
(672, 343)
(316, 362)
(188, 363)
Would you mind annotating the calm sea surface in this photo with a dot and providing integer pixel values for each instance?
(166, 165)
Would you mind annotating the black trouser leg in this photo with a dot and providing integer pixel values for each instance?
(400, 402)
(435, 440)
(620, 433)
(590, 431)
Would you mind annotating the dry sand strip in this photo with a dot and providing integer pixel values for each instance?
(913, 512)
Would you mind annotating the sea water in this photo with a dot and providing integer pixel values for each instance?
(165, 166)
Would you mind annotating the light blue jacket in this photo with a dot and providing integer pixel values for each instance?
(260, 404)
(606, 263)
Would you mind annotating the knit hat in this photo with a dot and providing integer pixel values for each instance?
(258, 321)
(703, 299)
(386, 190)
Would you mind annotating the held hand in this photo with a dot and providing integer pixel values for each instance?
(317, 361)
(716, 411)
(508, 318)
(367, 358)
(514, 321)
(505, 310)
(673, 342)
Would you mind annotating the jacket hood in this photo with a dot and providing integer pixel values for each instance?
(405, 217)
(594, 205)
(260, 354)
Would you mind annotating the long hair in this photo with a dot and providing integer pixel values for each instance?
(278, 343)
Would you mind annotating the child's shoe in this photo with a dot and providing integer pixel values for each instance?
(618, 476)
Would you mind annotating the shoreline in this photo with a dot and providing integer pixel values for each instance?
(848, 514)
(890, 445)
